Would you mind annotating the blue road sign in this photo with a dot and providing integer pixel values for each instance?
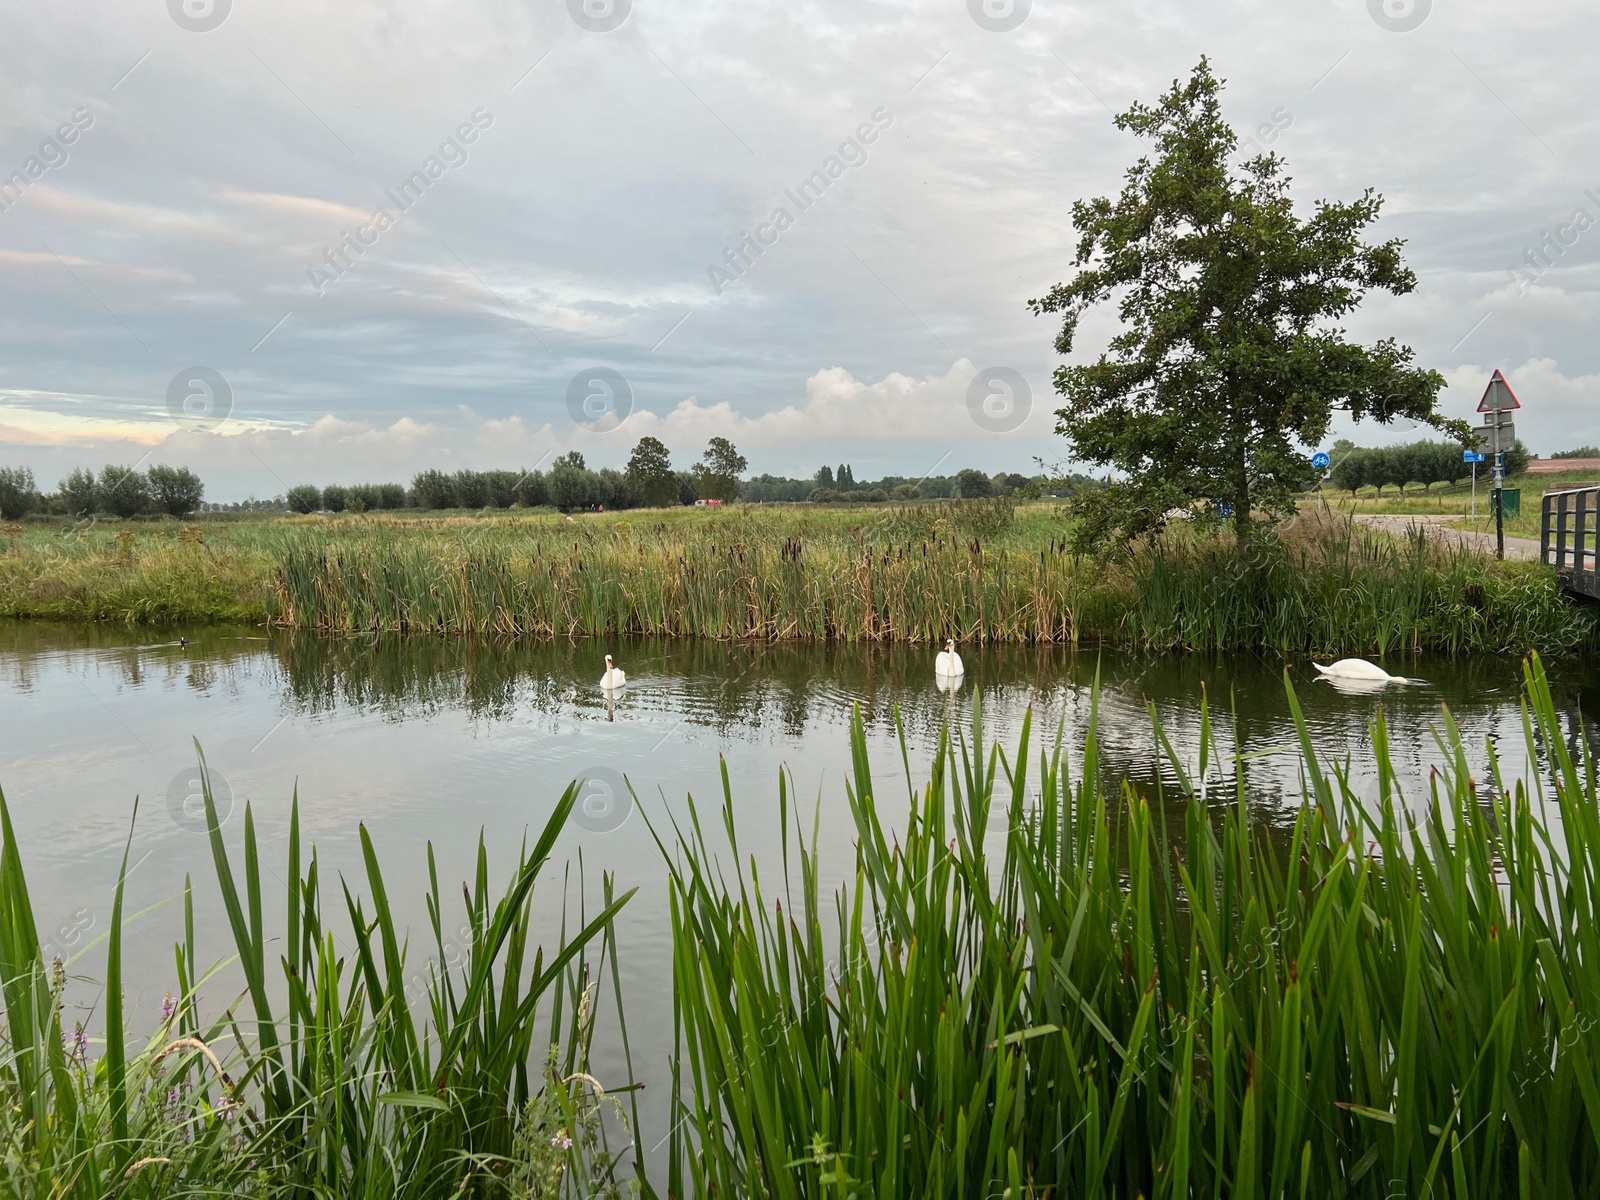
(1320, 461)
(1470, 456)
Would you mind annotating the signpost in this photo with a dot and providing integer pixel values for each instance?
(1497, 435)
(1473, 457)
(1320, 462)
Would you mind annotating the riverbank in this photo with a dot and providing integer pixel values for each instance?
(980, 571)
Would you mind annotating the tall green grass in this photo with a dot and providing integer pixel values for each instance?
(1029, 985)
(320, 1081)
(1342, 588)
(1327, 586)
(976, 570)
(1103, 1007)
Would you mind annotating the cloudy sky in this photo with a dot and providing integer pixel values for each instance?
(212, 255)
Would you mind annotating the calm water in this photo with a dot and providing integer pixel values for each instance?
(438, 740)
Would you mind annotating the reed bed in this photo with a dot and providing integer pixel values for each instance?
(987, 571)
(1095, 1009)
(1326, 586)
(319, 1081)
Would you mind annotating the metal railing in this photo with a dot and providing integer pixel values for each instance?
(1569, 533)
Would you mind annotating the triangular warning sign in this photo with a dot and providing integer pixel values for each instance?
(1498, 396)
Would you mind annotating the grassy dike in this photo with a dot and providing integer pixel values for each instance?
(1034, 989)
(981, 571)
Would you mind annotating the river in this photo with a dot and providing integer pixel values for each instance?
(436, 740)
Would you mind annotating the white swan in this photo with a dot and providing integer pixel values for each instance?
(613, 678)
(948, 663)
(1359, 670)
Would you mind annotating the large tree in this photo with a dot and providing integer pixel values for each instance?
(1230, 360)
(973, 484)
(80, 492)
(433, 489)
(571, 487)
(716, 475)
(18, 493)
(176, 491)
(124, 491)
(650, 470)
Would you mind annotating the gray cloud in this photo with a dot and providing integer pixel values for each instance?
(577, 231)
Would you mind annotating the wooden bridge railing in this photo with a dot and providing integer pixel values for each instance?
(1569, 534)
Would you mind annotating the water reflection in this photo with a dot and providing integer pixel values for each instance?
(430, 740)
(746, 692)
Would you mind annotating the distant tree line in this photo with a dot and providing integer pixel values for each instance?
(569, 485)
(839, 485)
(650, 480)
(1427, 463)
(117, 490)
(1580, 452)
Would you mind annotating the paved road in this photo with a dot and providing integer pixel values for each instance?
(1439, 527)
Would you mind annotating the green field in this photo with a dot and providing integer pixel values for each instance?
(1457, 499)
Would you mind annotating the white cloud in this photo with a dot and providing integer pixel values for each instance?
(871, 417)
(840, 409)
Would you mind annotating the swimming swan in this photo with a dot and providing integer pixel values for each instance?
(613, 678)
(948, 662)
(1360, 670)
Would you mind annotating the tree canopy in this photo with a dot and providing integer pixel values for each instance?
(1427, 463)
(176, 491)
(1229, 362)
(650, 468)
(716, 475)
(18, 495)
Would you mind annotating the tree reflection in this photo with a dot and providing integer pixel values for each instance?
(801, 691)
